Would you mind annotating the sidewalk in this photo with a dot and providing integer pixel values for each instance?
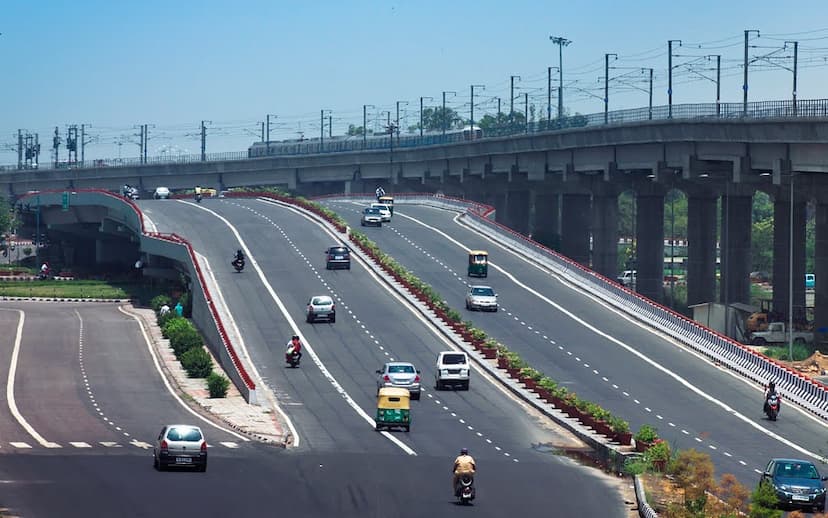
(260, 423)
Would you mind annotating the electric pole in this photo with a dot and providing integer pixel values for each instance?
(365, 124)
(670, 76)
(421, 113)
(72, 144)
(561, 43)
(444, 115)
(512, 99)
(398, 119)
(471, 121)
(56, 146)
(606, 86)
(745, 85)
(84, 142)
(796, 51)
(204, 140)
(19, 149)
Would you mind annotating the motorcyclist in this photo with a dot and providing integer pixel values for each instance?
(379, 192)
(770, 390)
(294, 348)
(238, 259)
(463, 465)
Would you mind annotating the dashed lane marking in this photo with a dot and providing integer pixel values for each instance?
(81, 444)
(20, 445)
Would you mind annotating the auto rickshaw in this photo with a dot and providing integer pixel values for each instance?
(393, 408)
(387, 200)
(478, 263)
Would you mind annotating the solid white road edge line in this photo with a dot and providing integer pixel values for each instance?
(298, 332)
(618, 342)
(10, 385)
(167, 383)
(226, 309)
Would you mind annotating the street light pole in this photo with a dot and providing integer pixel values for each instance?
(745, 85)
(606, 86)
(561, 43)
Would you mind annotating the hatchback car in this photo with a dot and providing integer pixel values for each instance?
(161, 193)
(180, 445)
(337, 257)
(452, 369)
(321, 307)
(371, 216)
(384, 210)
(400, 375)
(796, 482)
(481, 297)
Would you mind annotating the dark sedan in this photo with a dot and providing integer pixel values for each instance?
(797, 483)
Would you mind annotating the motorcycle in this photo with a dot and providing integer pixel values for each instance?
(465, 489)
(198, 197)
(292, 359)
(772, 407)
(238, 264)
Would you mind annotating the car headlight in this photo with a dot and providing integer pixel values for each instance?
(464, 372)
(444, 372)
(818, 490)
(784, 487)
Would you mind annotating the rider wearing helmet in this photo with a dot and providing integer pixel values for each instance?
(769, 391)
(463, 465)
(294, 347)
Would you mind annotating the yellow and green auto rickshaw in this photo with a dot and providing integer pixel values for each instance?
(478, 263)
(387, 200)
(393, 408)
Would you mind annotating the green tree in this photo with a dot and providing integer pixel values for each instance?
(435, 118)
(355, 130)
(763, 502)
(6, 217)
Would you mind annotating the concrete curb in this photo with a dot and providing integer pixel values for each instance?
(60, 299)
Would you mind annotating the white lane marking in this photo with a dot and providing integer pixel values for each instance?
(231, 445)
(149, 224)
(20, 445)
(308, 347)
(81, 444)
(110, 444)
(167, 383)
(140, 444)
(10, 385)
(680, 380)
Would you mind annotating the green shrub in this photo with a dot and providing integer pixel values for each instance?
(217, 385)
(618, 425)
(163, 319)
(187, 302)
(548, 384)
(197, 362)
(646, 434)
(174, 325)
(660, 451)
(763, 502)
(454, 315)
(185, 340)
(158, 301)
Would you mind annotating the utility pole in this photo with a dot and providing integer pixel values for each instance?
(444, 117)
(263, 131)
(561, 43)
(365, 124)
(650, 112)
(718, 82)
(745, 85)
(84, 142)
(330, 126)
(670, 76)
(548, 94)
(56, 146)
(421, 113)
(526, 112)
(145, 144)
(267, 118)
(471, 121)
(204, 140)
(606, 86)
(19, 149)
(512, 98)
(321, 128)
(398, 119)
(72, 144)
(796, 51)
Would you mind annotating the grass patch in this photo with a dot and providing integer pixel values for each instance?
(800, 352)
(63, 289)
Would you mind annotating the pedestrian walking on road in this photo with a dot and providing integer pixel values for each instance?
(179, 309)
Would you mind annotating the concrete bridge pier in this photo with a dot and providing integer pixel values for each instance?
(575, 223)
(701, 248)
(735, 242)
(650, 242)
(821, 269)
(782, 253)
(518, 207)
(605, 234)
(545, 218)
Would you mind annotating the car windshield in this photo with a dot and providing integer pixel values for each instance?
(178, 433)
(371, 211)
(339, 251)
(486, 292)
(393, 369)
(796, 470)
(454, 359)
(321, 301)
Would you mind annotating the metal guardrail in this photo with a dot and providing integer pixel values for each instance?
(644, 509)
(804, 108)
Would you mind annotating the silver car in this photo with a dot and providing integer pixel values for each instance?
(371, 216)
(481, 297)
(180, 445)
(400, 375)
(320, 307)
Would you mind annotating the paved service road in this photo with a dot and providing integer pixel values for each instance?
(331, 400)
(603, 356)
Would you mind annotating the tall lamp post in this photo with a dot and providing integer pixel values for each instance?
(561, 43)
(365, 124)
(443, 115)
(421, 113)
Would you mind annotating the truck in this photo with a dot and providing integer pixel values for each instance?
(777, 334)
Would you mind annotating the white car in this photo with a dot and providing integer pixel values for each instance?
(371, 216)
(161, 193)
(452, 369)
(385, 212)
(481, 297)
(180, 445)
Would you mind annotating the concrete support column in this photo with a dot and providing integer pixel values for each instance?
(735, 242)
(500, 201)
(605, 234)
(701, 249)
(518, 211)
(575, 224)
(782, 253)
(650, 243)
(821, 270)
(546, 224)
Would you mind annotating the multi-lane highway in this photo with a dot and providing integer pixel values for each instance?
(602, 355)
(341, 467)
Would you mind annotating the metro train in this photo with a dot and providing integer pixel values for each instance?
(356, 143)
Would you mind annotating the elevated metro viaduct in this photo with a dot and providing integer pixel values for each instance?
(562, 186)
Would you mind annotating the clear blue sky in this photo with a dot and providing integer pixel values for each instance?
(114, 65)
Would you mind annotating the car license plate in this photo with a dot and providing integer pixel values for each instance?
(337, 257)
(800, 498)
(183, 460)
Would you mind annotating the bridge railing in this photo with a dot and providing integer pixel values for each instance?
(804, 108)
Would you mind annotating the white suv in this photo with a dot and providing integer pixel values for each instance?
(452, 369)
